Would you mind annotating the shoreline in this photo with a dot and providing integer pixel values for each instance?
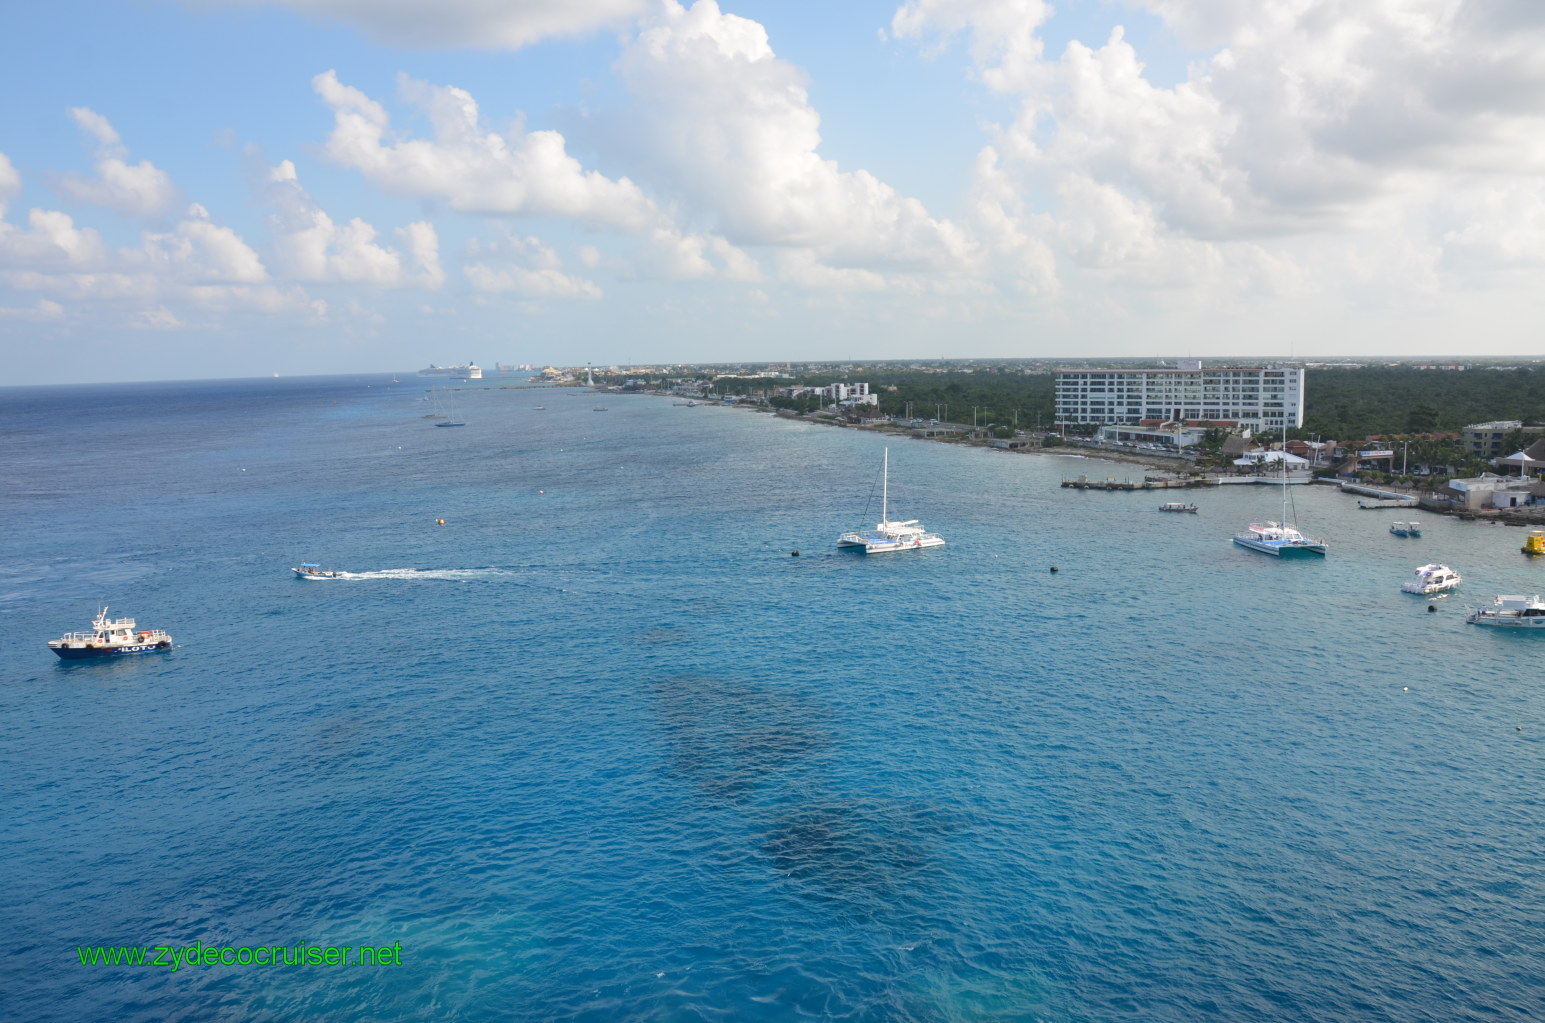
(1176, 468)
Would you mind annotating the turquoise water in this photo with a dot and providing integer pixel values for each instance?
(599, 748)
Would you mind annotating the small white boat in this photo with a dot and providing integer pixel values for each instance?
(1177, 506)
(887, 535)
(1511, 612)
(1405, 528)
(110, 638)
(312, 570)
(1431, 579)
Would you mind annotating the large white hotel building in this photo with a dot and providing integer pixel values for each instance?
(1268, 398)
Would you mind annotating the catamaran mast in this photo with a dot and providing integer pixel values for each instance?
(885, 481)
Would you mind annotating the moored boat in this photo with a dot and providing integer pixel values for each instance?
(312, 570)
(1431, 579)
(1511, 612)
(1277, 538)
(887, 535)
(110, 638)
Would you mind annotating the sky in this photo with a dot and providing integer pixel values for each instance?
(227, 188)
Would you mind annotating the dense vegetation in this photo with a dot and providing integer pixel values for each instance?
(1352, 403)
(1340, 404)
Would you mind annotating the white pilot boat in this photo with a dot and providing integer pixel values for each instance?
(1511, 612)
(1431, 579)
(110, 638)
(887, 535)
(312, 570)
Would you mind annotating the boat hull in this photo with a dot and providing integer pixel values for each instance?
(1498, 621)
(1280, 548)
(885, 545)
(78, 653)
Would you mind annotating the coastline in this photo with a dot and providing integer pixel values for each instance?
(1175, 468)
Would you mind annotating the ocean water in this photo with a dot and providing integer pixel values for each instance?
(599, 748)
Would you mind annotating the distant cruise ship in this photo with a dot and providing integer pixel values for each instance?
(470, 371)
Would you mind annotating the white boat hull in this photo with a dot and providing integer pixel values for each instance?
(884, 544)
(1503, 620)
(1278, 548)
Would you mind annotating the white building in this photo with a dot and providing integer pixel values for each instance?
(1257, 398)
(838, 394)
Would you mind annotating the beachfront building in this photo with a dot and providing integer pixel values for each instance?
(1491, 491)
(1154, 434)
(846, 395)
(1255, 398)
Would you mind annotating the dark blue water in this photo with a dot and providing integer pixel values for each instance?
(598, 748)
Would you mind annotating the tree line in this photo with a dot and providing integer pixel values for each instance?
(1339, 404)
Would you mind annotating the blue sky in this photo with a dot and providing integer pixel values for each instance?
(214, 188)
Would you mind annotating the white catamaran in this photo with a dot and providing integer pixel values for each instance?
(1279, 538)
(887, 535)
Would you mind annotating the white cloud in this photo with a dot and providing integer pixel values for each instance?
(98, 127)
(475, 170)
(526, 267)
(10, 182)
(730, 131)
(1334, 121)
(310, 246)
(158, 318)
(423, 245)
(45, 311)
(475, 24)
(54, 242)
(138, 190)
(800, 267)
(1494, 223)
(198, 251)
(1004, 43)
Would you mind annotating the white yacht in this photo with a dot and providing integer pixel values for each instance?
(1511, 612)
(1431, 579)
(887, 535)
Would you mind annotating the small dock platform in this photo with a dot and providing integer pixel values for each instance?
(1379, 498)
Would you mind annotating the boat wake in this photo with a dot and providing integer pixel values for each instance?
(451, 574)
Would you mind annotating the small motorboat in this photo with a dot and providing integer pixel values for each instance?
(1431, 579)
(312, 570)
(110, 638)
(1405, 528)
(1177, 506)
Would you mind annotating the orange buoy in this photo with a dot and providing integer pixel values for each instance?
(440, 521)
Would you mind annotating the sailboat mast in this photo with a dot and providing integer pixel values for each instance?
(885, 482)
